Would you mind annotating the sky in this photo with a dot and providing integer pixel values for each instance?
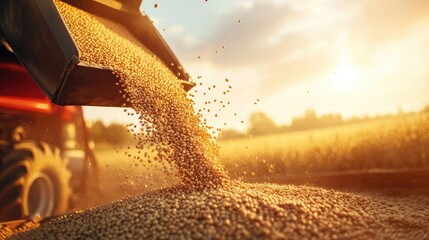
(358, 58)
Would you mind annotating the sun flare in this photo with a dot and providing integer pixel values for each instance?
(344, 77)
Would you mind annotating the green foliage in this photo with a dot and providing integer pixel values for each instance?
(311, 121)
(114, 134)
(96, 131)
(230, 134)
(118, 134)
(261, 124)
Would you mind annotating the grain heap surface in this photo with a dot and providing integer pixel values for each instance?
(245, 211)
(207, 204)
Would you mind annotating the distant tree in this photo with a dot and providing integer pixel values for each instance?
(261, 124)
(118, 134)
(115, 133)
(330, 120)
(310, 114)
(96, 131)
(354, 119)
(311, 121)
(230, 134)
(426, 108)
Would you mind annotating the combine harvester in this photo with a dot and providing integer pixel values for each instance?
(46, 163)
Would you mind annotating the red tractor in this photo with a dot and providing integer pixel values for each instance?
(46, 162)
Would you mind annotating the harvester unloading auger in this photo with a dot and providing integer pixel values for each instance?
(34, 179)
(36, 33)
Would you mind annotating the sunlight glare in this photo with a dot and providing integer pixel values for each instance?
(344, 77)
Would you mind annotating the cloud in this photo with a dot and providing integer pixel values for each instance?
(176, 29)
(276, 39)
(287, 74)
(189, 40)
(377, 22)
(244, 41)
(290, 42)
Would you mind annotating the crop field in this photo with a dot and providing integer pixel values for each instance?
(125, 176)
(397, 143)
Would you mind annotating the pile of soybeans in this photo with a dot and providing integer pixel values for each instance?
(207, 204)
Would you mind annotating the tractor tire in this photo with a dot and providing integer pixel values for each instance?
(34, 181)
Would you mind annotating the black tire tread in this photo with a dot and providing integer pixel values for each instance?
(12, 172)
(18, 165)
(11, 192)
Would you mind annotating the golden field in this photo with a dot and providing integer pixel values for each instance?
(400, 142)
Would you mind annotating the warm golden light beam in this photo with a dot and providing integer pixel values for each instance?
(344, 77)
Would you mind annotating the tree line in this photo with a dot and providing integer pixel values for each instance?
(261, 123)
(113, 134)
